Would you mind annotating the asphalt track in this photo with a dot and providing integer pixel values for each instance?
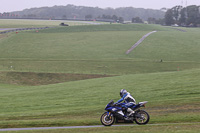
(140, 41)
(3, 29)
(100, 126)
(7, 30)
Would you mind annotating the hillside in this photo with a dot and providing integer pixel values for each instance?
(173, 97)
(35, 67)
(80, 12)
(101, 49)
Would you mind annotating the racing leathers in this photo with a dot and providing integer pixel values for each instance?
(129, 102)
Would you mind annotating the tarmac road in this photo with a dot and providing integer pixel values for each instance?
(7, 30)
(140, 41)
(72, 127)
(67, 127)
(3, 29)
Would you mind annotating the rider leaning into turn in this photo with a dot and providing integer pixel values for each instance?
(129, 100)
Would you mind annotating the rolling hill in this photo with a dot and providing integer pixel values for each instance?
(172, 86)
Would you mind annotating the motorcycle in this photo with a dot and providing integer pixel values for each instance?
(116, 111)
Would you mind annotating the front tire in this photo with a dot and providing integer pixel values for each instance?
(107, 121)
(142, 117)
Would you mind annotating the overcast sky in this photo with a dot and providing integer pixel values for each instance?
(18, 5)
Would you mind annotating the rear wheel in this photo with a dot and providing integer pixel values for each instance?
(107, 121)
(142, 117)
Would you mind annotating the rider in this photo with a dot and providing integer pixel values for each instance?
(129, 101)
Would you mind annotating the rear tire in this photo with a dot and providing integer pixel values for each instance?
(107, 121)
(142, 117)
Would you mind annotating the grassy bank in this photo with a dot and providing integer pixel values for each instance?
(171, 86)
(173, 97)
(100, 50)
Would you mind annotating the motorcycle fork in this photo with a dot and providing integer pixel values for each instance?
(109, 115)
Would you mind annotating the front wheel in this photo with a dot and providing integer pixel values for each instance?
(142, 117)
(107, 120)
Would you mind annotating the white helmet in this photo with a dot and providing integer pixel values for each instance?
(122, 92)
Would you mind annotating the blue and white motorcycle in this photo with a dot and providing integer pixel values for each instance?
(114, 112)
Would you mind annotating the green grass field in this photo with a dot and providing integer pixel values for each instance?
(26, 23)
(71, 50)
(172, 86)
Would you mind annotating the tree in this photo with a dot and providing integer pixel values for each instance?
(183, 18)
(81, 11)
(121, 20)
(176, 13)
(169, 17)
(188, 16)
(106, 16)
(115, 18)
(160, 21)
(137, 20)
(88, 17)
(193, 15)
(151, 20)
(64, 17)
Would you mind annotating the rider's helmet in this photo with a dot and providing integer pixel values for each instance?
(122, 92)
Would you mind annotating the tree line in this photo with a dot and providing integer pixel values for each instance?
(183, 16)
(87, 13)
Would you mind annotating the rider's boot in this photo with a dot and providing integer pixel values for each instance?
(130, 111)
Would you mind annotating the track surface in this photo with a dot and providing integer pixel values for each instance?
(7, 30)
(72, 127)
(3, 29)
(140, 41)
